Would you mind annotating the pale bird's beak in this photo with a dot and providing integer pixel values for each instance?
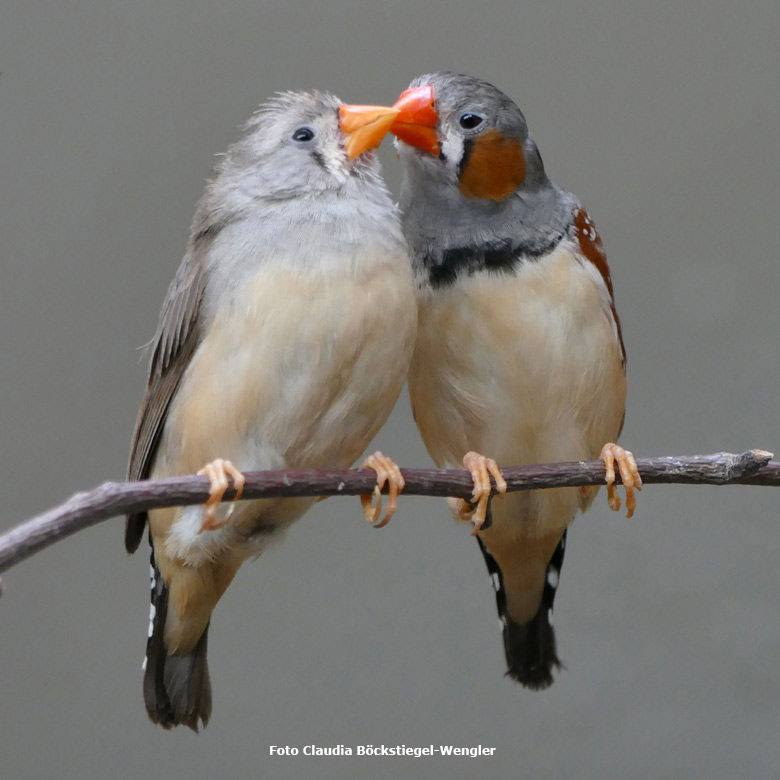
(417, 119)
(364, 127)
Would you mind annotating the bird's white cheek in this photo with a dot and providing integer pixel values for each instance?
(335, 161)
(452, 149)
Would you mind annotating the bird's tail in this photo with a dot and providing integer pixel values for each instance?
(531, 654)
(177, 689)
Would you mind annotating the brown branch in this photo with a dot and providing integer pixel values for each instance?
(753, 467)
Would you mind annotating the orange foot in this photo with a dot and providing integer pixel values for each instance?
(629, 474)
(481, 468)
(386, 471)
(217, 471)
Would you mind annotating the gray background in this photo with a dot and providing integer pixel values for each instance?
(663, 117)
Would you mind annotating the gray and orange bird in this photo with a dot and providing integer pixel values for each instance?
(519, 353)
(283, 342)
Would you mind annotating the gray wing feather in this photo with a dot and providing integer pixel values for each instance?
(177, 337)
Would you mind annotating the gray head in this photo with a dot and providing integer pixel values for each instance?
(297, 145)
(484, 147)
(471, 170)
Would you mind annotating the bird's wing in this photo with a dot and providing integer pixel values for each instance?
(592, 250)
(177, 337)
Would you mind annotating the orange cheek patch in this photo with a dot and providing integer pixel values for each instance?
(495, 169)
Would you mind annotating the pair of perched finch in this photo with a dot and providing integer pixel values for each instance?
(306, 298)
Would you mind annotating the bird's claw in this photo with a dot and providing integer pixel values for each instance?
(218, 471)
(387, 471)
(629, 475)
(481, 469)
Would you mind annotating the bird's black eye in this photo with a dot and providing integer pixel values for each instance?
(469, 121)
(303, 134)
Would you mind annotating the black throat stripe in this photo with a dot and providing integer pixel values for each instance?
(468, 148)
(499, 257)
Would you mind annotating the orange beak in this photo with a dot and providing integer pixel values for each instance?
(417, 119)
(364, 127)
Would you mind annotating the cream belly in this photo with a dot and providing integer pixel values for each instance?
(301, 373)
(524, 368)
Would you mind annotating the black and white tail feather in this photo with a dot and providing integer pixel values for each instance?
(530, 648)
(177, 689)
